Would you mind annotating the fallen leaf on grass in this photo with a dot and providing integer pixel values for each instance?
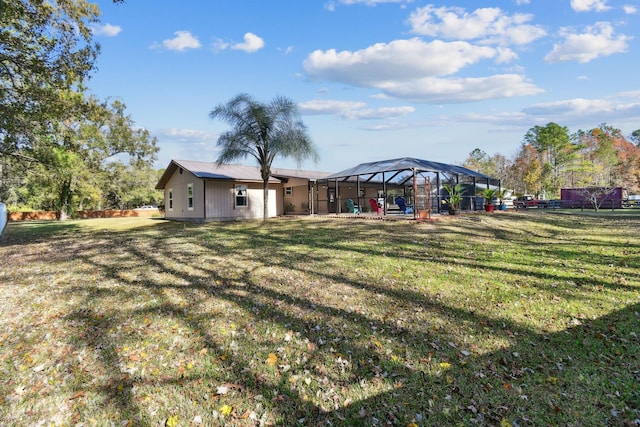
(244, 416)
(78, 395)
(172, 421)
(225, 410)
(272, 360)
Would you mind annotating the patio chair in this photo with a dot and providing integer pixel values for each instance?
(403, 205)
(352, 207)
(375, 207)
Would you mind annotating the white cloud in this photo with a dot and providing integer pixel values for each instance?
(397, 60)
(598, 40)
(107, 30)
(186, 135)
(287, 50)
(352, 110)
(570, 106)
(630, 94)
(368, 2)
(315, 107)
(578, 113)
(252, 43)
(459, 90)
(490, 25)
(182, 41)
(373, 2)
(219, 45)
(177, 143)
(379, 113)
(586, 113)
(630, 9)
(505, 55)
(589, 5)
(413, 69)
(512, 118)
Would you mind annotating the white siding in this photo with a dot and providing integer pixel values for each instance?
(179, 182)
(220, 201)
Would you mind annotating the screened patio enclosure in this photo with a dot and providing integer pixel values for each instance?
(418, 182)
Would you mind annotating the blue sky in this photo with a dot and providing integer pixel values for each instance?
(373, 79)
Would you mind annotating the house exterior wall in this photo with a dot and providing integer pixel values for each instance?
(215, 199)
(298, 200)
(220, 201)
(179, 184)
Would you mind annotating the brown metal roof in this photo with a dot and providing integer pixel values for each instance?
(211, 170)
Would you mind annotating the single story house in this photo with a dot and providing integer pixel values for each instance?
(205, 191)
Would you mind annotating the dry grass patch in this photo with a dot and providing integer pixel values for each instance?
(506, 319)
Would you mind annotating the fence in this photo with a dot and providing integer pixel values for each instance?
(110, 213)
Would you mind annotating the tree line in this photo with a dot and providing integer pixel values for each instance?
(550, 158)
(60, 148)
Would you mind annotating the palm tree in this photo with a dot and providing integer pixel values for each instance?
(263, 131)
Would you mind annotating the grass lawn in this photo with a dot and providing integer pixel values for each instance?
(510, 319)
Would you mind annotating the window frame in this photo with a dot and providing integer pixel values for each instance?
(236, 196)
(190, 198)
(170, 199)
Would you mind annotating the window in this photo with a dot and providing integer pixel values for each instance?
(241, 196)
(170, 197)
(190, 196)
(288, 191)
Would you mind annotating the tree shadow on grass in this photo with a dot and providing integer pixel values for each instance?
(310, 321)
(400, 383)
(372, 354)
(585, 375)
